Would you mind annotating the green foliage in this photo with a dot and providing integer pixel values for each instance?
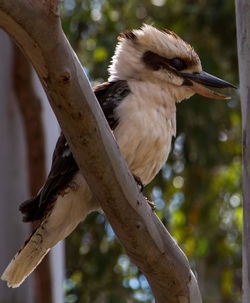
(197, 192)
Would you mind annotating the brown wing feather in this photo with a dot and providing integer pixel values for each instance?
(64, 167)
(110, 95)
(62, 171)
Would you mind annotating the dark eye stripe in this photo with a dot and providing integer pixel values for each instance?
(156, 62)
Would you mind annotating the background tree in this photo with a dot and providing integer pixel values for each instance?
(243, 39)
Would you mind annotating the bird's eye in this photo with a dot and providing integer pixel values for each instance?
(178, 64)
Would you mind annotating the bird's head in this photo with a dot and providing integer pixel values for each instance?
(162, 57)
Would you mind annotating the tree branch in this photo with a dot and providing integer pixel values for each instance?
(35, 26)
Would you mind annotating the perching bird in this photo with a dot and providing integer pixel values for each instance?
(150, 72)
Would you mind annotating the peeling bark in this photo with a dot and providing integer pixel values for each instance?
(36, 28)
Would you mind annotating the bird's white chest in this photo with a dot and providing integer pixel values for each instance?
(146, 126)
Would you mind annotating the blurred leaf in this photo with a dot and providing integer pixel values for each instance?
(100, 54)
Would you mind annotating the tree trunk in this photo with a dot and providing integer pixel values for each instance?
(243, 38)
(30, 108)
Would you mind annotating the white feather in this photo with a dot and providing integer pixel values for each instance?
(69, 210)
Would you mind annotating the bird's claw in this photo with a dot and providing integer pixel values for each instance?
(139, 182)
(151, 204)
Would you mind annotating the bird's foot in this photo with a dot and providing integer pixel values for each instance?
(151, 203)
(139, 182)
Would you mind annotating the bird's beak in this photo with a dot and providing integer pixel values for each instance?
(196, 81)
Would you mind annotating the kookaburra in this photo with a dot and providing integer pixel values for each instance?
(150, 72)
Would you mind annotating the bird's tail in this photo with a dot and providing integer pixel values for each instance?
(27, 259)
(59, 219)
